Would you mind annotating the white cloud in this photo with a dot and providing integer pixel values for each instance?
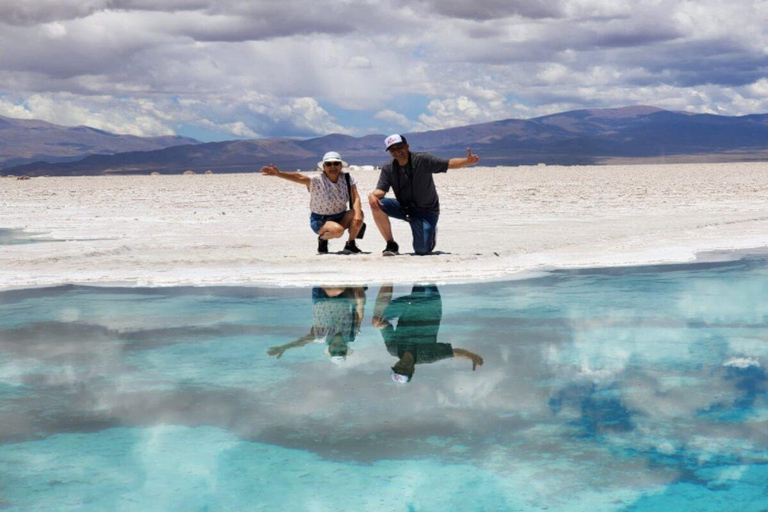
(309, 63)
(132, 117)
(394, 117)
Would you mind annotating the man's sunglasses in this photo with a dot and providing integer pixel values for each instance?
(331, 164)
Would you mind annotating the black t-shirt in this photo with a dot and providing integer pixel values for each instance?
(413, 184)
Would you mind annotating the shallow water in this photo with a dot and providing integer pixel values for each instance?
(19, 236)
(628, 389)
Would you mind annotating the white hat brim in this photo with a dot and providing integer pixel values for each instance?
(321, 162)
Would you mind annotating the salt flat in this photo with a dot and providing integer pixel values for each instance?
(495, 223)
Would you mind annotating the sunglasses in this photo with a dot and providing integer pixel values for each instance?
(331, 164)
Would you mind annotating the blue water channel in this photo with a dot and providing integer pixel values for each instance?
(640, 389)
(20, 236)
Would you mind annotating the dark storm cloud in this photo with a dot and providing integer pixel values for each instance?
(491, 9)
(227, 21)
(28, 12)
(240, 29)
(632, 36)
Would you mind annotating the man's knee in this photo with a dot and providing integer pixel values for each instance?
(422, 245)
(379, 214)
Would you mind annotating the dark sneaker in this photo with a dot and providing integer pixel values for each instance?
(391, 249)
(322, 246)
(351, 248)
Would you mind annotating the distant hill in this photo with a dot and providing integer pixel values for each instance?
(23, 141)
(597, 136)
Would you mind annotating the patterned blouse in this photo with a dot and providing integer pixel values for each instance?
(327, 197)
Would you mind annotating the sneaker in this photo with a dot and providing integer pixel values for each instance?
(351, 248)
(322, 246)
(391, 249)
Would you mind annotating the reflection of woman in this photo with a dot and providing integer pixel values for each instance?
(414, 341)
(337, 314)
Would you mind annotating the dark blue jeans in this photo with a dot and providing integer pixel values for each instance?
(423, 225)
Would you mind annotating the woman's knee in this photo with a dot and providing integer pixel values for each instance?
(332, 230)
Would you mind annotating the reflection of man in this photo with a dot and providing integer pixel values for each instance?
(336, 317)
(414, 340)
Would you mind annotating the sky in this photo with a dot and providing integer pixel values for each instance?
(233, 69)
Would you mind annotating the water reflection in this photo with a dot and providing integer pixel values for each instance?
(413, 340)
(642, 390)
(337, 314)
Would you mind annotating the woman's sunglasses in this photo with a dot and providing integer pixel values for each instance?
(331, 164)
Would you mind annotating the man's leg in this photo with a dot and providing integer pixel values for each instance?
(423, 227)
(382, 215)
(388, 208)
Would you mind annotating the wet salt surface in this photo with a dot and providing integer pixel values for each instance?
(621, 389)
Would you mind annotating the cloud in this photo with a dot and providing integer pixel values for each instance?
(455, 111)
(347, 66)
(27, 13)
(394, 117)
(258, 116)
(492, 9)
(132, 117)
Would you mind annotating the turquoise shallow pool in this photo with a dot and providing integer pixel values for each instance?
(20, 236)
(635, 390)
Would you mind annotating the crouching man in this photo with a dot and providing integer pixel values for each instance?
(410, 177)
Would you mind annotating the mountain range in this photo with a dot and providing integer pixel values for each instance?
(28, 140)
(595, 136)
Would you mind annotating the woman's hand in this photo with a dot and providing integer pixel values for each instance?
(270, 170)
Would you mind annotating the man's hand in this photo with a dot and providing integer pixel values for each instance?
(374, 202)
(270, 170)
(472, 159)
(276, 351)
(379, 322)
(458, 163)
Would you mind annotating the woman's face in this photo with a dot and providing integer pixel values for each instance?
(332, 169)
(337, 347)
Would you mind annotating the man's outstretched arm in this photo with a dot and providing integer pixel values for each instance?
(471, 356)
(456, 163)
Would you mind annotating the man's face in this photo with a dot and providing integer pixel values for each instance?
(399, 151)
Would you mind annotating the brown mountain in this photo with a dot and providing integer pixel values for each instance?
(23, 141)
(596, 136)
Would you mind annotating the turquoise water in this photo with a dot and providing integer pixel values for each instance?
(19, 236)
(617, 390)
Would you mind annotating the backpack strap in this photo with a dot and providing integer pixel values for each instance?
(349, 190)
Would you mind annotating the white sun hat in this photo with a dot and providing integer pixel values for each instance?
(331, 156)
(338, 359)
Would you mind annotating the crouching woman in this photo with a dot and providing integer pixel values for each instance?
(330, 197)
